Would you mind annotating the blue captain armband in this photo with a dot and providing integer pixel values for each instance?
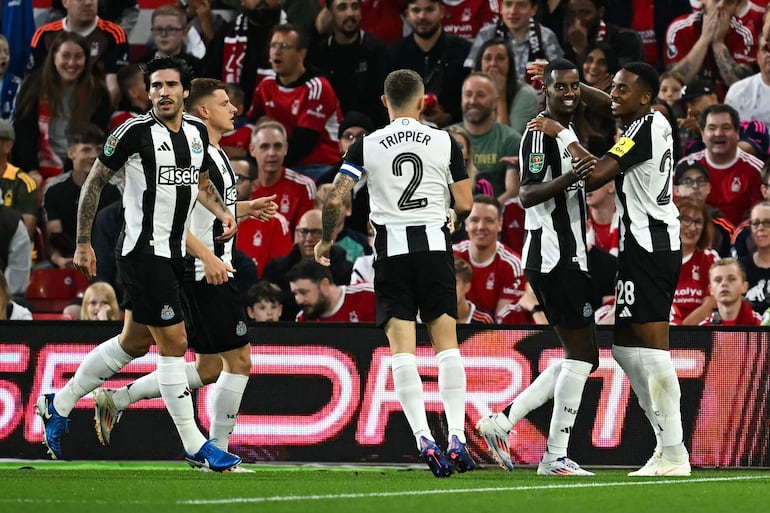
(352, 170)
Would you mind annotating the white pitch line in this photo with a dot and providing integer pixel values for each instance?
(297, 498)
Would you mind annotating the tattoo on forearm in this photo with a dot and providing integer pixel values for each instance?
(684, 69)
(333, 206)
(730, 70)
(89, 199)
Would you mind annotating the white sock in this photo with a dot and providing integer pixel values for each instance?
(225, 403)
(147, 387)
(534, 396)
(408, 385)
(665, 395)
(176, 394)
(451, 386)
(630, 361)
(99, 365)
(568, 393)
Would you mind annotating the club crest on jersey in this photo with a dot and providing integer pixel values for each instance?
(241, 329)
(536, 162)
(167, 313)
(196, 146)
(109, 146)
(587, 310)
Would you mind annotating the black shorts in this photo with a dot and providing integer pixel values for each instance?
(646, 284)
(564, 296)
(214, 317)
(152, 288)
(406, 284)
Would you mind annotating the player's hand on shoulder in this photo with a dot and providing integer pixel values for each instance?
(546, 125)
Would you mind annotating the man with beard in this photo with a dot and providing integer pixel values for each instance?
(320, 300)
(349, 58)
(239, 53)
(555, 261)
(435, 55)
(492, 142)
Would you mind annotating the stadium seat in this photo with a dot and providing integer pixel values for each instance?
(50, 290)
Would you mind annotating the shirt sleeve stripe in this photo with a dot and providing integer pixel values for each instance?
(352, 170)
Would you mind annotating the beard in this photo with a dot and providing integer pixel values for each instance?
(264, 16)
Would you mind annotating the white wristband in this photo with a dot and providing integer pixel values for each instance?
(567, 137)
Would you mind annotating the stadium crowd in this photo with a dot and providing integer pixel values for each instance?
(306, 77)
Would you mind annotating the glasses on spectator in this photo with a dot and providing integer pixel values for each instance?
(242, 178)
(689, 221)
(304, 232)
(694, 184)
(352, 136)
(764, 223)
(165, 31)
(282, 46)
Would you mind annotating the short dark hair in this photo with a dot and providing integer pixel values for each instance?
(401, 86)
(407, 3)
(719, 108)
(489, 200)
(87, 134)
(264, 291)
(647, 76)
(185, 71)
(129, 76)
(309, 270)
(236, 93)
(559, 64)
(201, 88)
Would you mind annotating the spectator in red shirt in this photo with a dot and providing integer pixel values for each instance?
(727, 284)
(692, 301)
(734, 174)
(498, 276)
(320, 300)
(603, 219)
(294, 192)
(467, 311)
(303, 101)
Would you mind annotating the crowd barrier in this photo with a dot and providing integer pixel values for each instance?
(324, 393)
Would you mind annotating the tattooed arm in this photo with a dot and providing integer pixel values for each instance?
(84, 258)
(729, 69)
(209, 197)
(332, 210)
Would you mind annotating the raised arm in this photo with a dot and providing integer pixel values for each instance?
(84, 259)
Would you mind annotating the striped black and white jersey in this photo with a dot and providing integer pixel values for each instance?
(409, 167)
(162, 170)
(205, 225)
(644, 186)
(555, 228)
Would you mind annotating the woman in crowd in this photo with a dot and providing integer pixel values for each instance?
(517, 101)
(61, 96)
(9, 309)
(693, 302)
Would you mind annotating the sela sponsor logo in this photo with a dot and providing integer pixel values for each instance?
(170, 175)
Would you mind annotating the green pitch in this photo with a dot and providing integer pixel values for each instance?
(64, 487)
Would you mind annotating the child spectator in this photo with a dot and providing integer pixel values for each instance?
(264, 302)
(727, 284)
(671, 89)
(9, 83)
(467, 312)
(100, 303)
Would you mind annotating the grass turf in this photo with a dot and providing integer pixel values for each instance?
(64, 487)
